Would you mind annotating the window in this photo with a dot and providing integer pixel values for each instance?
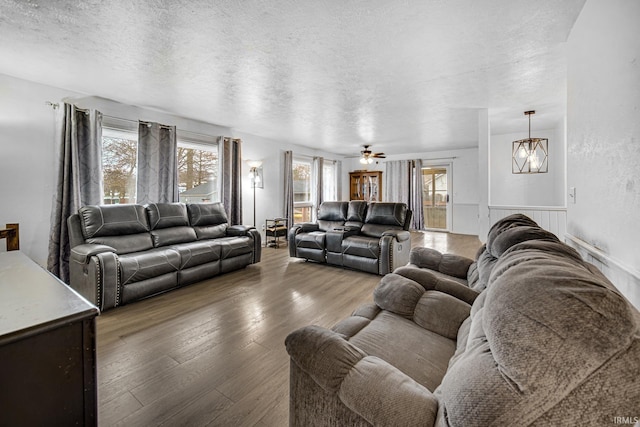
(434, 197)
(197, 157)
(119, 164)
(329, 181)
(302, 203)
(197, 171)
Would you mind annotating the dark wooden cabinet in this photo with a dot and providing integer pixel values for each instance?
(47, 348)
(365, 185)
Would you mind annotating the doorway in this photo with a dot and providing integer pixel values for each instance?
(435, 197)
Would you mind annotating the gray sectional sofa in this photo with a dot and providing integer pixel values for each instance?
(371, 237)
(123, 253)
(528, 334)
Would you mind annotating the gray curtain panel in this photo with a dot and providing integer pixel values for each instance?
(318, 164)
(417, 221)
(230, 158)
(339, 179)
(157, 164)
(79, 178)
(404, 184)
(288, 187)
(398, 181)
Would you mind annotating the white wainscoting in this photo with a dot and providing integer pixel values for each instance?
(625, 278)
(551, 218)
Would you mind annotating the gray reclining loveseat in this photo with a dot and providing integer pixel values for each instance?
(371, 237)
(123, 253)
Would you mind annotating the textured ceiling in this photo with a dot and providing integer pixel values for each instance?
(405, 76)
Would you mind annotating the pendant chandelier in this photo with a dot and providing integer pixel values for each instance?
(530, 155)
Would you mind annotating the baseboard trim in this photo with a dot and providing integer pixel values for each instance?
(624, 277)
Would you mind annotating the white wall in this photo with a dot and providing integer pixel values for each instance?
(544, 189)
(603, 131)
(27, 174)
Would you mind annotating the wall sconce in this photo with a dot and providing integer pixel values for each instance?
(530, 155)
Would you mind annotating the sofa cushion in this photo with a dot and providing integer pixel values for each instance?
(377, 230)
(434, 281)
(361, 246)
(504, 224)
(126, 243)
(312, 240)
(197, 253)
(484, 264)
(112, 220)
(164, 215)
(203, 214)
(172, 236)
(419, 353)
(333, 211)
(449, 264)
(332, 215)
(211, 231)
(387, 214)
(357, 213)
(234, 246)
(398, 294)
(441, 313)
(514, 235)
(138, 266)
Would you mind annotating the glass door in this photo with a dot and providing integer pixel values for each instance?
(435, 197)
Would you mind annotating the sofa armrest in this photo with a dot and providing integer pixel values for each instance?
(400, 235)
(307, 227)
(369, 386)
(94, 272)
(450, 264)
(239, 230)
(83, 253)
(303, 227)
(395, 246)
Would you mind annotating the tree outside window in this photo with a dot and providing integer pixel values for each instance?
(197, 174)
(119, 165)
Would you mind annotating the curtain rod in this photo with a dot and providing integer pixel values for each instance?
(55, 105)
(177, 129)
(442, 158)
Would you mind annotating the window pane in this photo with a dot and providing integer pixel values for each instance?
(197, 174)
(301, 181)
(301, 214)
(329, 183)
(119, 162)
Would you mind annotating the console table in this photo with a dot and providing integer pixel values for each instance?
(47, 348)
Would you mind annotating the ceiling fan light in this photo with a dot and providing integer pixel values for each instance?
(363, 160)
(369, 160)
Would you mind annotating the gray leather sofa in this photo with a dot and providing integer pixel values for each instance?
(528, 334)
(123, 253)
(371, 237)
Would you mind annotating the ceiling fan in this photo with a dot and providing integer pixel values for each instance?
(368, 155)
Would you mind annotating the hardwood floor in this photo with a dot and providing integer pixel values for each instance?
(213, 353)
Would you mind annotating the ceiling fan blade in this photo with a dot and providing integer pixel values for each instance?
(379, 154)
